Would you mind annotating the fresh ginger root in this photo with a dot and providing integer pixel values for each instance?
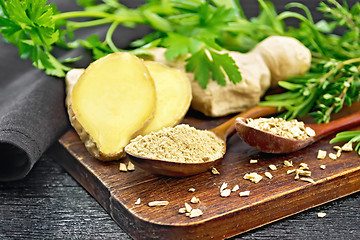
(274, 59)
(173, 98)
(285, 57)
(112, 101)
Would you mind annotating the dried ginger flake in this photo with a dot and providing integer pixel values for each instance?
(253, 177)
(158, 203)
(292, 129)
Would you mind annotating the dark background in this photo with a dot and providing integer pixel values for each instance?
(50, 204)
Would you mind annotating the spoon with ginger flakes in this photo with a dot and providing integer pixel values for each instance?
(181, 169)
(270, 143)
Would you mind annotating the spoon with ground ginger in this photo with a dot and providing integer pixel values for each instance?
(183, 150)
(274, 135)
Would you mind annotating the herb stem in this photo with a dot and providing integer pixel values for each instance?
(351, 61)
(338, 67)
(112, 17)
(108, 38)
(91, 23)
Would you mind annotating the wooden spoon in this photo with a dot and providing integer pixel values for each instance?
(176, 169)
(271, 143)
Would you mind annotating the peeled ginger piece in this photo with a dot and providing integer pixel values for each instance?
(173, 91)
(111, 103)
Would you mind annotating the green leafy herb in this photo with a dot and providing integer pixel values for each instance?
(183, 27)
(333, 80)
(195, 30)
(29, 26)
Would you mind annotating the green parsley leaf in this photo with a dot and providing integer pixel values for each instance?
(225, 63)
(29, 26)
(199, 63)
(178, 45)
(99, 49)
(218, 66)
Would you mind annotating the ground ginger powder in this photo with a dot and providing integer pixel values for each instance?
(182, 143)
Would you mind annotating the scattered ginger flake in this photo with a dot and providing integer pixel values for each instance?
(303, 166)
(267, 174)
(338, 153)
(191, 189)
(272, 167)
(347, 147)
(290, 171)
(321, 214)
(337, 147)
(322, 167)
(303, 172)
(214, 171)
(195, 213)
(225, 192)
(338, 150)
(122, 167)
(332, 156)
(235, 188)
(253, 177)
(158, 203)
(188, 208)
(223, 186)
(307, 180)
(195, 200)
(288, 163)
(321, 154)
(244, 194)
(253, 161)
(130, 166)
(182, 210)
(138, 201)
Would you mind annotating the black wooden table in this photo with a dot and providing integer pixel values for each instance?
(50, 204)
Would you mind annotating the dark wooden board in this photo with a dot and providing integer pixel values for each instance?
(269, 200)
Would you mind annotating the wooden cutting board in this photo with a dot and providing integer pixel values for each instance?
(269, 200)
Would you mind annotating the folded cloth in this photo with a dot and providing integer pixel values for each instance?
(32, 113)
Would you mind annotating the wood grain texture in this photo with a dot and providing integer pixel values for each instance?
(50, 204)
(269, 200)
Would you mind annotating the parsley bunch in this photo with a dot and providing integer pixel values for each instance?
(189, 27)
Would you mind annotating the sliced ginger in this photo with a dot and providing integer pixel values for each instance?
(112, 102)
(173, 98)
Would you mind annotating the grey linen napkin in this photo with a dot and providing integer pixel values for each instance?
(32, 113)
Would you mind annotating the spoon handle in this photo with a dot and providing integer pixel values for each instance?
(325, 129)
(228, 127)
